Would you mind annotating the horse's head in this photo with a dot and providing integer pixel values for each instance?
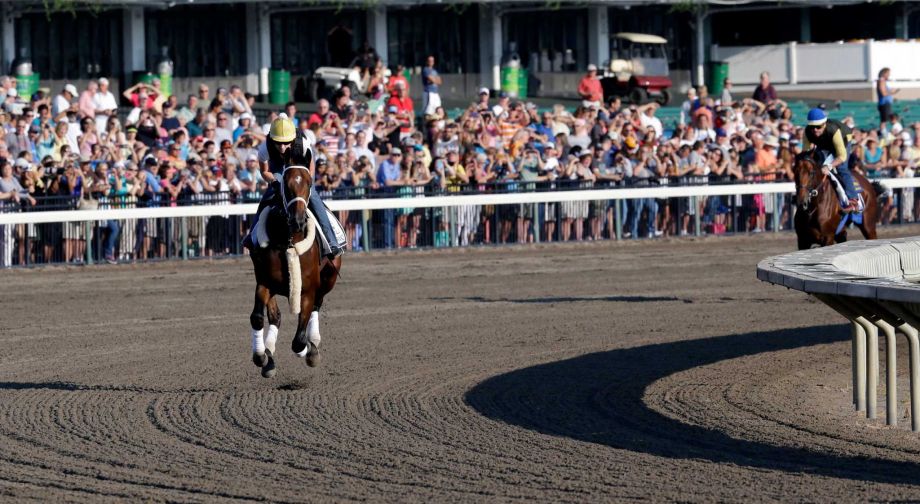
(297, 184)
(808, 178)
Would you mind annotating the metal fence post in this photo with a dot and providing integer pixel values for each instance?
(777, 210)
(618, 219)
(366, 230)
(696, 215)
(184, 238)
(88, 239)
(536, 222)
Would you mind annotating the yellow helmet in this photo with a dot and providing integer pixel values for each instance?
(282, 130)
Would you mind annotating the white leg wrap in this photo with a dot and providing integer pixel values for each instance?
(271, 336)
(258, 345)
(313, 329)
(303, 353)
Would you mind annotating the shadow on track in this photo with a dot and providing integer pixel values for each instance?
(79, 387)
(598, 398)
(566, 299)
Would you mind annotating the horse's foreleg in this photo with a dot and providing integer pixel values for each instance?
(300, 343)
(274, 321)
(257, 321)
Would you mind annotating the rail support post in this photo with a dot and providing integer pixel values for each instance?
(695, 201)
(618, 219)
(909, 328)
(184, 238)
(891, 372)
(858, 353)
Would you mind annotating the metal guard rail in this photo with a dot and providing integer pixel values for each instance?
(871, 284)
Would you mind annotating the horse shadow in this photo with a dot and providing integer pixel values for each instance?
(598, 398)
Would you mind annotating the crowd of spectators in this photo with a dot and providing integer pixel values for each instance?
(74, 148)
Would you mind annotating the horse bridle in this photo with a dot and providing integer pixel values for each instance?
(284, 198)
(812, 192)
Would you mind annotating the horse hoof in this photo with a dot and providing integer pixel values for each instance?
(268, 370)
(313, 357)
(259, 360)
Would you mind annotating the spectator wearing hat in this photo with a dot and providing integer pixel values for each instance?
(405, 110)
(13, 103)
(388, 176)
(104, 105)
(590, 90)
(61, 104)
(18, 141)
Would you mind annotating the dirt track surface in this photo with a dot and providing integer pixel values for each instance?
(604, 372)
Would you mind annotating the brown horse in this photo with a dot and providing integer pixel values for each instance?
(818, 214)
(294, 248)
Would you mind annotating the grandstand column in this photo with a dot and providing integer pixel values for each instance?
(805, 25)
(598, 36)
(900, 22)
(377, 30)
(134, 50)
(490, 45)
(8, 40)
(258, 48)
(702, 33)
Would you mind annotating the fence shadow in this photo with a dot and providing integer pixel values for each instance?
(566, 299)
(598, 398)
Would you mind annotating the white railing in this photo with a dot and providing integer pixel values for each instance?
(832, 63)
(871, 284)
(444, 220)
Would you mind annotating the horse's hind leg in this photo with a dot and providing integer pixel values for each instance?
(257, 321)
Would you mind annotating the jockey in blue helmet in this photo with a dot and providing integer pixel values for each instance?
(829, 137)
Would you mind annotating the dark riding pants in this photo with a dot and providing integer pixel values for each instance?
(843, 173)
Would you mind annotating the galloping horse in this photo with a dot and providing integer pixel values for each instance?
(818, 215)
(293, 270)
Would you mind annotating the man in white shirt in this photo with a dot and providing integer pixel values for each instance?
(105, 104)
(647, 118)
(62, 102)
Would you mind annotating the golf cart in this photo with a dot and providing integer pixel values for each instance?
(638, 68)
(326, 80)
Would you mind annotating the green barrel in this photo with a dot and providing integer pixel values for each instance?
(522, 83)
(511, 80)
(279, 86)
(27, 85)
(718, 72)
(166, 83)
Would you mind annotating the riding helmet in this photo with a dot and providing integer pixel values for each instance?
(816, 117)
(282, 130)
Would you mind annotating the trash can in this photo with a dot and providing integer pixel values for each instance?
(279, 86)
(522, 83)
(165, 72)
(26, 80)
(718, 72)
(511, 72)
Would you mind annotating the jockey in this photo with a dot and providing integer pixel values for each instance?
(284, 147)
(829, 137)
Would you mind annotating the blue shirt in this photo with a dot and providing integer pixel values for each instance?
(388, 171)
(427, 73)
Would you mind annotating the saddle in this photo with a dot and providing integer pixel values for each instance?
(261, 238)
(842, 195)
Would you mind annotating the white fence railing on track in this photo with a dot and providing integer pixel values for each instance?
(441, 220)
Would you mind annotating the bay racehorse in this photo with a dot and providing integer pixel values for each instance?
(291, 266)
(818, 218)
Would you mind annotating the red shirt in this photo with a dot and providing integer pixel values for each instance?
(391, 87)
(136, 101)
(404, 110)
(590, 89)
(315, 119)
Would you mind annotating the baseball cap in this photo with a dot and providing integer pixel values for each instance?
(70, 88)
(393, 108)
(396, 150)
(592, 67)
(11, 92)
(252, 157)
(484, 90)
(245, 115)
